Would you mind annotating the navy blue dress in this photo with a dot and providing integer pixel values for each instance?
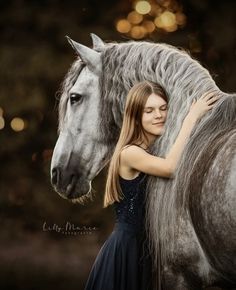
(123, 262)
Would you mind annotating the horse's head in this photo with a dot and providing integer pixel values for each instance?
(79, 153)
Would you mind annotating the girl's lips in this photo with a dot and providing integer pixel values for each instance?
(162, 123)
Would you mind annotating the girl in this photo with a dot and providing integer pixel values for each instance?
(123, 262)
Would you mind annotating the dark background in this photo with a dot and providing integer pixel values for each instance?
(34, 58)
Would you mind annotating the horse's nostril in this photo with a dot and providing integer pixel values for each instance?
(55, 176)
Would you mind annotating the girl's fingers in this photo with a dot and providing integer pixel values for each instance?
(208, 95)
(212, 96)
(210, 107)
(212, 100)
(211, 103)
(205, 95)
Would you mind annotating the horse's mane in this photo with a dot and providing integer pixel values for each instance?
(183, 196)
(125, 64)
(212, 134)
(183, 79)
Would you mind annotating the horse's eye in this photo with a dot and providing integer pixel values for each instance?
(75, 98)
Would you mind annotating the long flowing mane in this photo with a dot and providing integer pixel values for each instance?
(183, 79)
(214, 134)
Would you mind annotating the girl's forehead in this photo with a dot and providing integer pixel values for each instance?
(155, 100)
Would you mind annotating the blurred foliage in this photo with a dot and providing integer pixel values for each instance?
(35, 57)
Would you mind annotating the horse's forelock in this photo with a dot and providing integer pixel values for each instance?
(67, 84)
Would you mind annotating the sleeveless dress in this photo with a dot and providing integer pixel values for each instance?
(123, 262)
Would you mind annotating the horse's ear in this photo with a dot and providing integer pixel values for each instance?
(98, 44)
(90, 57)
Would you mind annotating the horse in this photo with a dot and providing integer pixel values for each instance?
(191, 218)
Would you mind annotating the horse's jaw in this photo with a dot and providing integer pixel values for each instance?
(75, 163)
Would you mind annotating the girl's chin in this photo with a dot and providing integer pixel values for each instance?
(158, 132)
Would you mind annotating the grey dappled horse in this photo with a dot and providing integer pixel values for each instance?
(191, 219)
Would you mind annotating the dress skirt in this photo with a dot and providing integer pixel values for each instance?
(123, 262)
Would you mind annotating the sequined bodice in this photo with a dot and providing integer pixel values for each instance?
(131, 209)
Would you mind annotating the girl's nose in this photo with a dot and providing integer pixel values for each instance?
(157, 114)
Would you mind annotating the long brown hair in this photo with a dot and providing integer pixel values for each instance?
(132, 132)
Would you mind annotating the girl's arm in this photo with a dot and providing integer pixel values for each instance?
(135, 158)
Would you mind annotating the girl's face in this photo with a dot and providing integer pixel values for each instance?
(154, 115)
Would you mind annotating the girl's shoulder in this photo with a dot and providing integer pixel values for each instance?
(133, 147)
(125, 171)
(131, 152)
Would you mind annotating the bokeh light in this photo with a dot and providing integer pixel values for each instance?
(166, 15)
(138, 32)
(134, 17)
(143, 7)
(2, 123)
(168, 19)
(123, 26)
(149, 26)
(158, 22)
(18, 124)
(171, 28)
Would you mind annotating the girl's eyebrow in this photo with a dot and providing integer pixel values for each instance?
(153, 107)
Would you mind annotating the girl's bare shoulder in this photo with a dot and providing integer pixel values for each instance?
(132, 148)
(128, 153)
(132, 151)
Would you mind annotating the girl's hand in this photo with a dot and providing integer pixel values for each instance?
(202, 105)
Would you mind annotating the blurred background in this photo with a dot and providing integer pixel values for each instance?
(36, 252)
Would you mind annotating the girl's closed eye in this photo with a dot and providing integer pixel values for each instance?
(163, 108)
(148, 111)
